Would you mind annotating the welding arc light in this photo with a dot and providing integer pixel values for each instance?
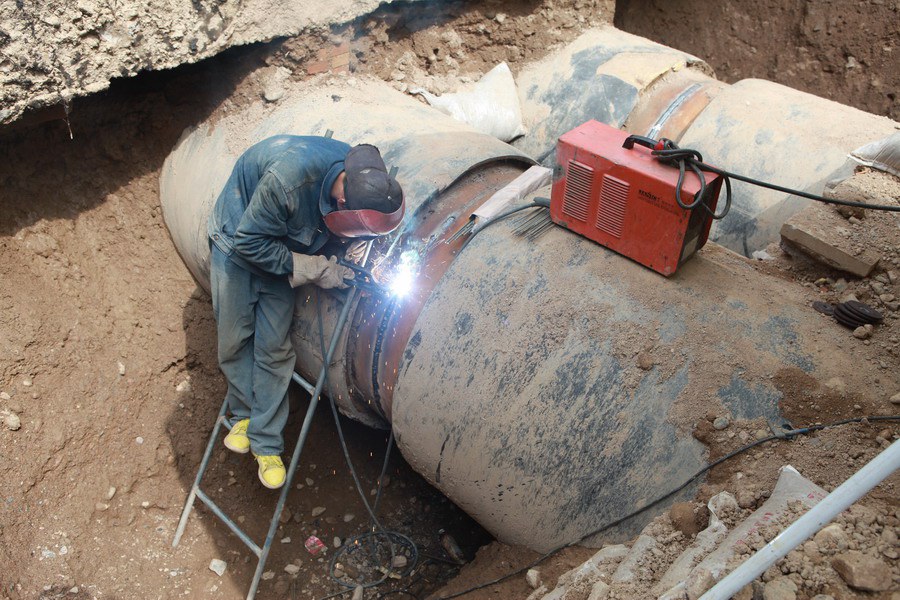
(401, 281)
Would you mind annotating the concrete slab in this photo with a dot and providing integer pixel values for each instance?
(818, 230)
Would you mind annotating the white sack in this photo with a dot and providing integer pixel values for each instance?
(883, 154)
(491, 107)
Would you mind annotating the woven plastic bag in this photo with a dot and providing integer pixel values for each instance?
(883, 154)
(491, 106)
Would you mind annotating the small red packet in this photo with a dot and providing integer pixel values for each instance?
(314, 545)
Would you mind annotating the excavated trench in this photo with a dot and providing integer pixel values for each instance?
(110, 346)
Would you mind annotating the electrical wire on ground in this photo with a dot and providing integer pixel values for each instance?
(782, 436)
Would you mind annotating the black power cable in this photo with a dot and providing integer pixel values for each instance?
(668, 152)
(786, 435)
(377, 529)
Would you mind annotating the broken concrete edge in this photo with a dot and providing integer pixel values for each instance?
(100, 44)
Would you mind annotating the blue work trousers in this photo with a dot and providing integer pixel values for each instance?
(253, 318)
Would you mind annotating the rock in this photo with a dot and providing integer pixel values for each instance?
(721, 423)
(684, 519)
(746, 498)
(861, 333)
(291, 569)
(698, 583)
(285, 516)
(310, 482)
(349, 517)
(111, 492)
(358, 593)
(336, 542)
(318, 511)
(268, 575)
(533, 577)
(5, 396)
(12, 422)
(121, 367)
(286, 540)
(398, 562)
(217, 566)
(645, 361)
(780, 588)
(895, 399)
(745, 593)
(274, 85)
(831, 539)
(600, 591)
(273, 93)
(862, 572)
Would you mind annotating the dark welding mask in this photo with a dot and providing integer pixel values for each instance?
(375, 203)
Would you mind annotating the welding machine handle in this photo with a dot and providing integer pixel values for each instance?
(628, 144)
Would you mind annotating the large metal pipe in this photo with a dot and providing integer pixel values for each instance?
(756, 128)
(546, 387)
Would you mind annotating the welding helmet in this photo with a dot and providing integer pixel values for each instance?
(375, 203)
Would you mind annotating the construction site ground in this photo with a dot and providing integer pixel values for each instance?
(109, 383)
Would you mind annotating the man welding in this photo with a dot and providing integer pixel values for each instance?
(286, 197)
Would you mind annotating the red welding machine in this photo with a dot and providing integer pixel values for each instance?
(622, 197)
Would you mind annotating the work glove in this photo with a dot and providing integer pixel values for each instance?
(356, 251)
(318, 270)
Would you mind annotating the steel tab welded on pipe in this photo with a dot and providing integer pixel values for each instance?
(546, 386)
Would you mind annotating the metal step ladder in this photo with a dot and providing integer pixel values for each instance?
(315, 391)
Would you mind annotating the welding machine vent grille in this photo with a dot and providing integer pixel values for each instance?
(613, 200)
(578, 191)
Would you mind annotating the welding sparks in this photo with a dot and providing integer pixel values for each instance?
(401, 282)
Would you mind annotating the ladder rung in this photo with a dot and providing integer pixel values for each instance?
(304, 383)
(237, 531)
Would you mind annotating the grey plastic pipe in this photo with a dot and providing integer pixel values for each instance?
(873, 473)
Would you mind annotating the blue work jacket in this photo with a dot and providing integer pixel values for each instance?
(270, 205)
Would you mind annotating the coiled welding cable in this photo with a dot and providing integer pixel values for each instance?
(669, 153)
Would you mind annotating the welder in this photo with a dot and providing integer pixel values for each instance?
(286, 197)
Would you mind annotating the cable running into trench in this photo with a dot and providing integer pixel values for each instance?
(376, 528)
(786, 435)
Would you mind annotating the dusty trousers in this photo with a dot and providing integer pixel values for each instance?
(253, 320)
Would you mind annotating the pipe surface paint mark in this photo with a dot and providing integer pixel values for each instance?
(437, 472)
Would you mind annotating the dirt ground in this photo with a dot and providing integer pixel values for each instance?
(107, 346)
(842, 50)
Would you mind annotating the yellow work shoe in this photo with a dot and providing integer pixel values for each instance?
(271, 471)
(237, 440)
